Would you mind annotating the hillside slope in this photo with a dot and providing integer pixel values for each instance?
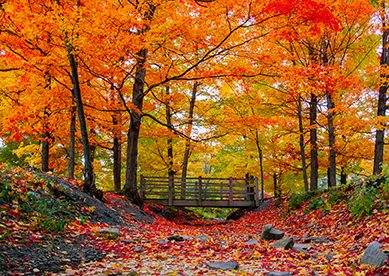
(47, 225)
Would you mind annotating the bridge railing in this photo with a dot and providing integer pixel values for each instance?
(201, 191)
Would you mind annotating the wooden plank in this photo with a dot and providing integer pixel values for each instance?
(206, 203)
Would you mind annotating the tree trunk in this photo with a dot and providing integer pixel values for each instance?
(382, 98)
(187, 140)
(302, 143)
(45, 151)
(117, 156)
(168, 116)
(130, 187)
(314, 175)
(331, 142)
(260, 155)
(343, 177)
(89, 183)
(72, 138)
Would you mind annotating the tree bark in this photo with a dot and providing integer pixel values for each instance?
(117, 156)
(187, 140)
(260, 155)
(331, 142)
(343, 177)
(130, 187)
(314, 174)
(45, 151)
(382, 98)
(302, 144)
(89, 183)
(168, 115)
(72, 138)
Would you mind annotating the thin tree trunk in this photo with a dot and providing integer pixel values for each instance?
(45, 151)
(130, 187)
(343, 177)
(168, 116)
(302, 143)
(314, 174)
(89, 183)
(117, 156)
(187, 140)
(72, 138)
(331, 142)
(260, 155)
(382, 98)
(330, 126)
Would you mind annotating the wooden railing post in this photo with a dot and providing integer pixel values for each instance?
(200, 191)
(142, 191)
(221, 190)
(230, 190)
(170, 191)
(256, 192)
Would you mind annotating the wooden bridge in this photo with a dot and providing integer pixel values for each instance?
(201, 192)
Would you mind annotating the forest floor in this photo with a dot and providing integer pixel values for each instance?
(48, 226)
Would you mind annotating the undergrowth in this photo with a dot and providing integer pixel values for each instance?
(362, 198)
(29, 198)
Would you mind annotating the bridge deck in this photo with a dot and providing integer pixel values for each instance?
(201, 192)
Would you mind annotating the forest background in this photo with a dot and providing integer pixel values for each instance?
(292, 91)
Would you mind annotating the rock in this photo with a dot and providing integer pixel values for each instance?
(114, 231)
(223, 265)
(162, 241)
(176, 238)
(135, 240)
(313, 239)
(302, 247)
(373, 255)
(251, 242)
(270, 233)
(138, 249)
(285, 243)
(278, 273)
(187, 238)
(203, 238)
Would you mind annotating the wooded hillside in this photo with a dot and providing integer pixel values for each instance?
(292, 91)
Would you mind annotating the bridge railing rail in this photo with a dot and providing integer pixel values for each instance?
(201, 191)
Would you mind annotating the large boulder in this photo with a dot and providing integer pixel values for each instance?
(270, 233)
(373, 255)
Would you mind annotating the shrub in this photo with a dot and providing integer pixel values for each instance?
(335, 196)
(317, 203)
(363, 201)
(297, 199)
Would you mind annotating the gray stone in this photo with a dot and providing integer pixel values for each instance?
(114, 231)
(313, 239)
(251, 242)
(162, 241)
(203, 238)
(285, 243)
(373, 255)
(187, 238)
(278, 273)
(302, 247)
(270, 233)
(138, 249)
(176, 238)
(128, 241)
(223, 265)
